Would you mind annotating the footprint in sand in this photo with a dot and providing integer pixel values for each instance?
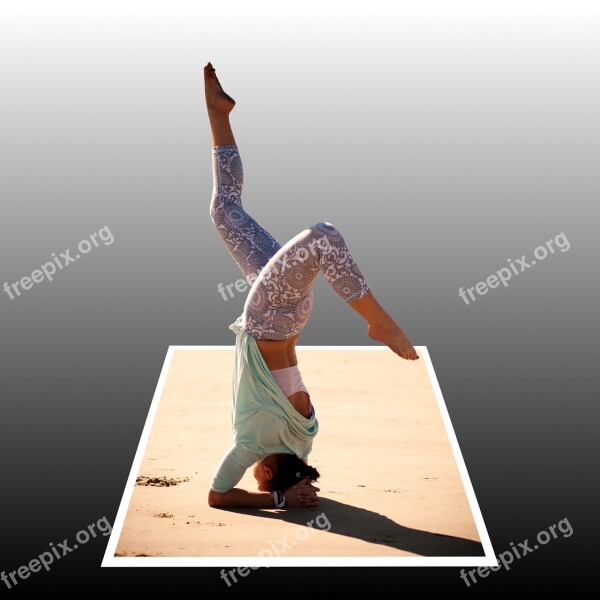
(160, 481)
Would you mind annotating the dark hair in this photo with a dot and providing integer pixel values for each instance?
(290, 470)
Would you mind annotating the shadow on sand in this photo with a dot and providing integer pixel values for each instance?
(374, 528)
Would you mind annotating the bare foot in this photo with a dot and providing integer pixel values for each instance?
(216, 99)
(396, 339)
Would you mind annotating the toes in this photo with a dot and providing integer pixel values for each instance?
(409, 354)
(209, 71)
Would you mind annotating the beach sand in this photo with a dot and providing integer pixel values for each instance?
(389, 482)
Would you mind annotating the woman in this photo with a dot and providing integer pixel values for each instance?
(274, 421)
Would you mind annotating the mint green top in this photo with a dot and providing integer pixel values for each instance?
(264, 420)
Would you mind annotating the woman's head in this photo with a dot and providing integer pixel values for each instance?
(282, 471)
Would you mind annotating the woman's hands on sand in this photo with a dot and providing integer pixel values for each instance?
(302, 495)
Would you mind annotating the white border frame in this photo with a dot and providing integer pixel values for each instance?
(110, 560)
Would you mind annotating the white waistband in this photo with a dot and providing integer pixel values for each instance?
(289, 380)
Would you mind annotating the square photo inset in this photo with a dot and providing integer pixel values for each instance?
(393, 486)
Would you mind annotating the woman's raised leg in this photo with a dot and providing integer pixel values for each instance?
(250, 245)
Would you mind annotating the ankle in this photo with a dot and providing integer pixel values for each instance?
(218, 116)
(383, 323)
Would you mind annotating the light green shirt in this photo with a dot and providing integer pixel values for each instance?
(263, 419)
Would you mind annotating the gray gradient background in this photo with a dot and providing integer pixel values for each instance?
(440, 138)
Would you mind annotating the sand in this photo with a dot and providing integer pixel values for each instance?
(390, 485)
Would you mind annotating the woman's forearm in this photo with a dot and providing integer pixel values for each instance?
(239, 498)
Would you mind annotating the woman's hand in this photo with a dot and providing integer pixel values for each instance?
(302, 495)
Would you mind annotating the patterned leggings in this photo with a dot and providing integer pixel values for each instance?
(280, 299)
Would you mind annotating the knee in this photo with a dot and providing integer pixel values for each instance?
(324, 228)
(324, 235)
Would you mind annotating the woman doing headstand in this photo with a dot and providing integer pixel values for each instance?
(274, 421)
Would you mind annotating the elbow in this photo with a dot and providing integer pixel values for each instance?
(214, 499)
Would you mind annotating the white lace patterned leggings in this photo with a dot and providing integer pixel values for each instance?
(280, 299)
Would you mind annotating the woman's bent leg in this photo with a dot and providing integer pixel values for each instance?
(280, 301)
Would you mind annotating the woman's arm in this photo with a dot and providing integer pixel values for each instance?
(239, 498)
(303, 494)
(229, 473)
